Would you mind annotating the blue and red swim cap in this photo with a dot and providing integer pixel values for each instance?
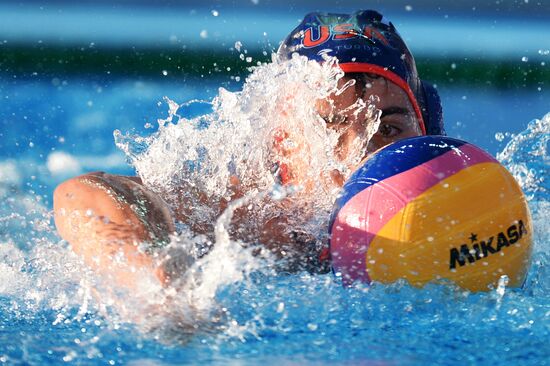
(365, 42)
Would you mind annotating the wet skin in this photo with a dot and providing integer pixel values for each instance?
(103, 216)
(397, 121)
(341, 113)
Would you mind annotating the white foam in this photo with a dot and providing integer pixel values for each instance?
(62, 164)
(190, 159)
(12, 279)
(190, 163)
(9, 174)
(527, 157)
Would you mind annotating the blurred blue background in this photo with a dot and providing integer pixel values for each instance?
(72, 72)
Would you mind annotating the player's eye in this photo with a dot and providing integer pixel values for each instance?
(388, 130)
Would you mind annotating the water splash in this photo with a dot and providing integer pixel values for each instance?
(268, 102)
(527, 156)
(232, 296)
(201, 166)
(242, 145)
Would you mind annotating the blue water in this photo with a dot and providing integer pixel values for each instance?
(270, 319)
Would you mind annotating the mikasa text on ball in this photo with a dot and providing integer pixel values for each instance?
(428, 209)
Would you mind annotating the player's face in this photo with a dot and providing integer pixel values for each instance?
(398, 119)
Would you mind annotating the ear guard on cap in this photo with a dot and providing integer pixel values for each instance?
(432, 112)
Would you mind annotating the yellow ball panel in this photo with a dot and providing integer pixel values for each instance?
(471, 228)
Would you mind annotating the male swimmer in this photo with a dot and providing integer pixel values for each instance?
(103, 215)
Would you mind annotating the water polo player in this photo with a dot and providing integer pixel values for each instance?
(372, 54)
(101, 214)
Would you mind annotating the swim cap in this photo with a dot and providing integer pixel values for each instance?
(365, 42)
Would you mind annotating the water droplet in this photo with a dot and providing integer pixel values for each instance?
(408, 7)
(499, 136)
(524, 59)
(501, 288)
(215, 13)
(164, 72)
(204, 34)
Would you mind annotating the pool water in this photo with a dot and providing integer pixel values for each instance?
(55, 311)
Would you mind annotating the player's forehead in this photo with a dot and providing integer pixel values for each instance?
(364, 85)
(366, 80)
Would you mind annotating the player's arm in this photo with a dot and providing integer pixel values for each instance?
(106, 218)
